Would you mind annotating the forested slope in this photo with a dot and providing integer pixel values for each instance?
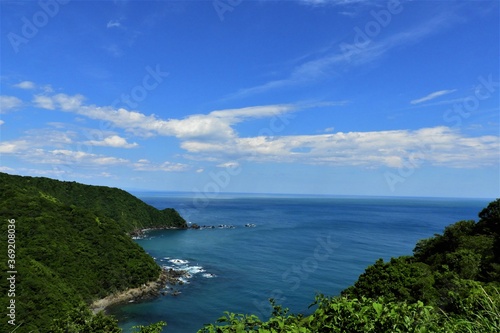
(119, 205)
(71, 246)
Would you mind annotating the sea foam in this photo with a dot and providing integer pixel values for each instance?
(190, 271)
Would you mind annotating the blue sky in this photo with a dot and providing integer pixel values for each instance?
(343, 97)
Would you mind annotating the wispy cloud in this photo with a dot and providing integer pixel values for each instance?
(216, 125)
(38, 138)
(113, 24)
(212, 137)
(49, 147)
(25, 85)
(14, 146)
(230, 164)
(146, 165)
(114, 141)
(6, 169)
(114, 50)
(72, 157)
(432, 96)
(439, 146)
(59, 101)
(338, 59)
(8, 103)
(29, 85)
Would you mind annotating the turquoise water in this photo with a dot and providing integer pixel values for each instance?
(298, 247)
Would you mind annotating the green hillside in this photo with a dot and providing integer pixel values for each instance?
(71, 246)
(119, 205)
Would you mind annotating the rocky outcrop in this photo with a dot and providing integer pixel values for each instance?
(146, 291)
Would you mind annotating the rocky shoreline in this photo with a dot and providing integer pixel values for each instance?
(141, 233)
(162, 286)
(146, 291)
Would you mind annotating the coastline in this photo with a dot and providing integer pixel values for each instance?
(148, 290)
(141, 232)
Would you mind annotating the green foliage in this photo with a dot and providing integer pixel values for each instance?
(490, 218)
(153, 328)
(82, 320)
(71, 249)
(280, 322)
(479, 312)
(130, 212)
(367, 315)
(403, 279)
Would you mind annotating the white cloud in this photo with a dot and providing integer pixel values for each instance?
(431, 96)
(50, 147)
(231, 164)
(37, 139)
(217, 124)
(211, 137)
(8, 103)
(50, 137)
(145, 165)
(2, 122)
(213, 126)
(12, 147)
(43, 102)
(435, 146)
(113, 141)
(25, 85)
(113, 24)
(6, 169)
(60, 101)
(30, 85)
(68, 103)
(71, 157)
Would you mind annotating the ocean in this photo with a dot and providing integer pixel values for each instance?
(282, 247)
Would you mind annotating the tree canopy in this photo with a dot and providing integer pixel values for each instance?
(72, 246)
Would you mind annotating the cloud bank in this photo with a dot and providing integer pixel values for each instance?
(212, 137)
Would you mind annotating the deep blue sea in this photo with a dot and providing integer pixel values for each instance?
(294, 248)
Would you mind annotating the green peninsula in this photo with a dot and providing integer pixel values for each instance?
(72, 246)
